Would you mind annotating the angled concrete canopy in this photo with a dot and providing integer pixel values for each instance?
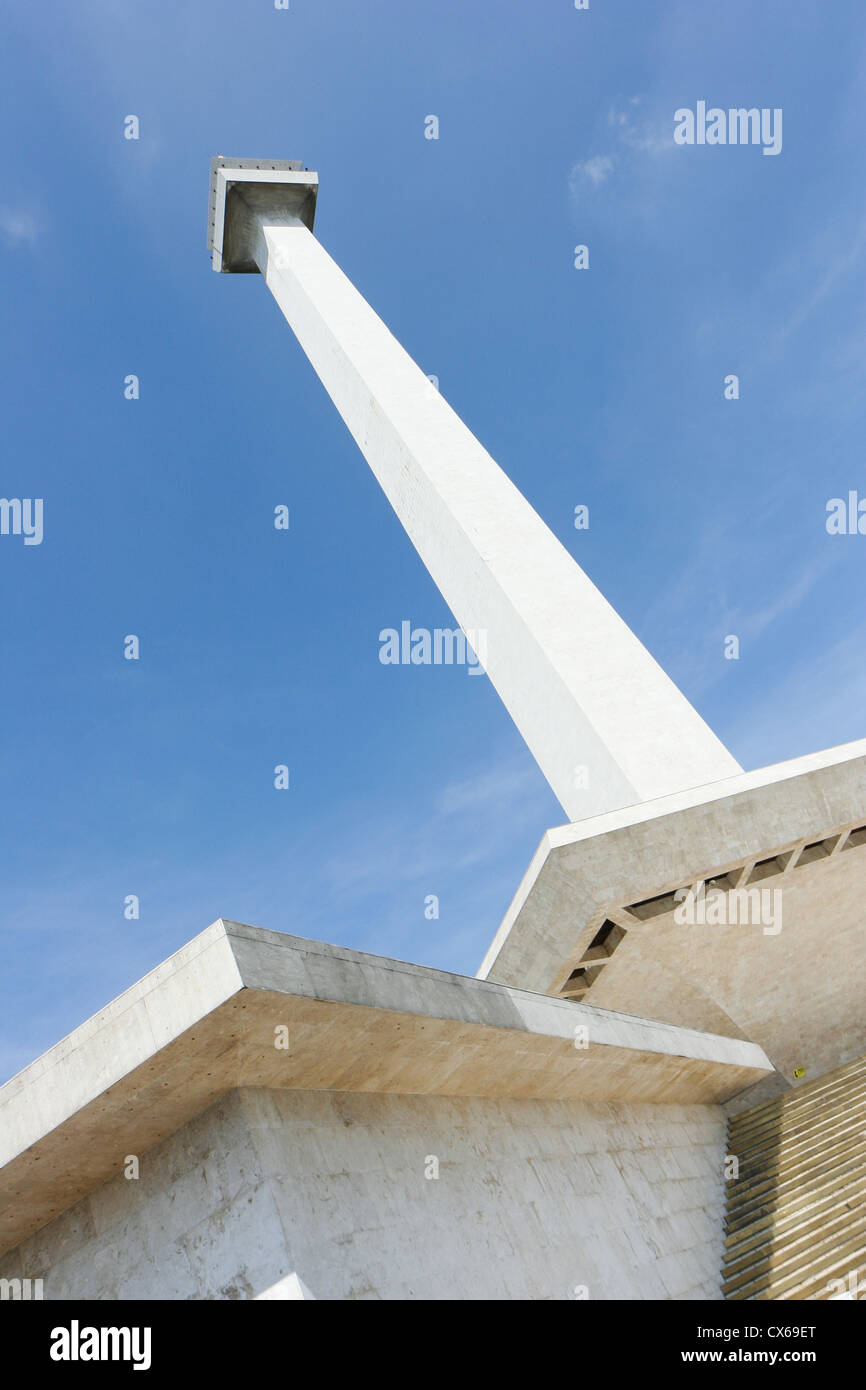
(594, 916)
(211, 1018)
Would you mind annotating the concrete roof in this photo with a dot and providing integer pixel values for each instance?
(205, 1022)
(797, 829)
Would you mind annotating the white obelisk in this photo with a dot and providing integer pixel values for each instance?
(606, 725)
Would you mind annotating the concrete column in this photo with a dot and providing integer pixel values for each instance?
(606, 725)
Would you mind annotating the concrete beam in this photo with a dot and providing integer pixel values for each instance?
(211, 1017)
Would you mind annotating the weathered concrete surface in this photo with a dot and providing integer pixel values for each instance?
(533, 1199)
(605, 723)
(795, 1221)
(795, 986)
(295, 187)
(214, 1017)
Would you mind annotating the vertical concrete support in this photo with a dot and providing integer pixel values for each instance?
(606, 725)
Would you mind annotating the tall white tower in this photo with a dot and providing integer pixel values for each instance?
(605, 724)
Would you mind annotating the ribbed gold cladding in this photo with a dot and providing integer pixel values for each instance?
(795, 1223)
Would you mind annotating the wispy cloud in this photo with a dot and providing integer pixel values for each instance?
(17, 226)
(594, 170)
(626, 134)
(837, 269)
(644, 134)
(462, 830)
(717, 556)
(501, 786)
(788, 597)
(817, 703)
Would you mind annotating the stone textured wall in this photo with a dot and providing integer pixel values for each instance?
(533, 1199)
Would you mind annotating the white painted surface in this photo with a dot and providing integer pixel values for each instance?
(581, 688)
(291, 1289)
(533, 1200)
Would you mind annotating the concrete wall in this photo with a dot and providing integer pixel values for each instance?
(533, 1199)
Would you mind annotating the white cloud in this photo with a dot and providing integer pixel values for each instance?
(639, 135)
(18, 226)
(595, 170)
(508, 785)
(632, 136)
(788, 597)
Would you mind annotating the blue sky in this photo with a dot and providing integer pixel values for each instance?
(603, 387)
